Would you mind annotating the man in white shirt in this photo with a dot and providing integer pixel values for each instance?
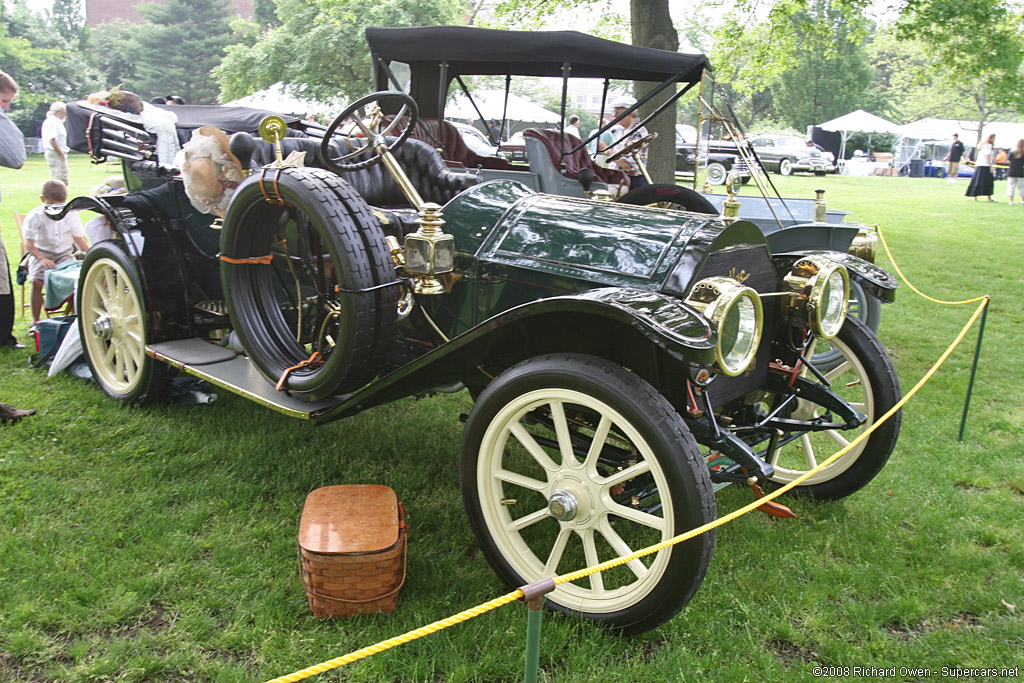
(55, 142)
(627, 132)
(50, 242)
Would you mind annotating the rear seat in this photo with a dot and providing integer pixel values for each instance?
(569, 165)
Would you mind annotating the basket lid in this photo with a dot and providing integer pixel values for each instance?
(349, 519)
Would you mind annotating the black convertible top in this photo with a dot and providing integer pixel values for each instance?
(481, 51)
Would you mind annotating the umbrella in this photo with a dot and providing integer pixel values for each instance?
(859, 121)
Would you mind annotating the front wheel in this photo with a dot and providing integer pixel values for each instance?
(785, 167)
(568, 461)
(866, 379)
(113, 324)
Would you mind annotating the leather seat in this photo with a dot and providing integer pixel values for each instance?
(570, 165)
(444, 136)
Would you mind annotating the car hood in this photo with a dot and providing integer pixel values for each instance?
(503, 222)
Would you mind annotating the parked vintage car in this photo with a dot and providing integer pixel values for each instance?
(718, 165)
(625, 361)
(785, 154)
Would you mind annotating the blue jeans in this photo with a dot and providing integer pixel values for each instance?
(636, 181)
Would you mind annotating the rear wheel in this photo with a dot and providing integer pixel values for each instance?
(568, 461)
(716, 173)
(113, 323)
(785, 167)
(309, 281)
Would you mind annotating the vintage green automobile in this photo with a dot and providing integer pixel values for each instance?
(625, 361)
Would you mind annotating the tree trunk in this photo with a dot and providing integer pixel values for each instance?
(652, 27)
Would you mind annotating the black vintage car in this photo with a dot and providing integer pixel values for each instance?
(625, 361)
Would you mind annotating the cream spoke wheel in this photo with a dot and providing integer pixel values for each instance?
(862, 376)
(567, 472)
(112, 323)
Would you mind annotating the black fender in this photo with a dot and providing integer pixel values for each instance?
(876, 281)
(655, 335)
(832, 236)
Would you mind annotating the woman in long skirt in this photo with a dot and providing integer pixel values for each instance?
(982, 182)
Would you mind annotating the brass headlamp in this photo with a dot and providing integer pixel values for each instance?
(735, 312)
(820, 295)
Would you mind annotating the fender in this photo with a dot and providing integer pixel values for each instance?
(634, 325)
(811, 236)
(876, 281)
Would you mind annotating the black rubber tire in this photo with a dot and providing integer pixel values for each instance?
(860, 345)
(586, 387)
(785, 167)
(664, 193)
(335, 243)
(113, 323)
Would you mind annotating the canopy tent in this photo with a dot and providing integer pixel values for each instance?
(492, 106)
(282, 98)
(858, 121)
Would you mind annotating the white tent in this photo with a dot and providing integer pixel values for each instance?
(492, 106)
(281, 98)
(858, 121)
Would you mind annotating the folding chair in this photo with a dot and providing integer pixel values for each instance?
(66, 307)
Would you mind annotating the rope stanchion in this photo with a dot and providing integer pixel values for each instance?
(981, 328)
(577, 575)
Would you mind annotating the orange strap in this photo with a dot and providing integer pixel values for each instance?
(250, 260)
(315, 359)
(278, 199)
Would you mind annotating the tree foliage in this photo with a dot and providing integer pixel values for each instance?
(319, 46)
(830, 75)
(179, 45)
(34, 53)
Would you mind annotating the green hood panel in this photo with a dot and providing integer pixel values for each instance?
(587, 240)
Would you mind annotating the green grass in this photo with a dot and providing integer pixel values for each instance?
(158, 543)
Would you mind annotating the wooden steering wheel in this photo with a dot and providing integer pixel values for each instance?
(366, 118)
(631, 147)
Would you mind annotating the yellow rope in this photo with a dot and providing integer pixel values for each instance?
(693, 533)
(575, 576)
(399, 640)
(885, 245)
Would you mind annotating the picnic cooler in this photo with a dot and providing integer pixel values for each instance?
(352, 549)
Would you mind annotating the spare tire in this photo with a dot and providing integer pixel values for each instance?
(664, 193)
(321, 311)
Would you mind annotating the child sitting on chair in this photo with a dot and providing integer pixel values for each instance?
(50, 242)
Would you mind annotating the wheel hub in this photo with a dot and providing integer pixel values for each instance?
(563, 505)
(103, 328)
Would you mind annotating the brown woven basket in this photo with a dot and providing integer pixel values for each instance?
(352, 550)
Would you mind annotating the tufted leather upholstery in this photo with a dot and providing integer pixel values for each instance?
(441, 134)
(427, 172)
(571, 164)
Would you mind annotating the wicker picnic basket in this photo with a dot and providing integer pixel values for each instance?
(352, 550)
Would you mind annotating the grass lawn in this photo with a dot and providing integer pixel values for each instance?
(158, 543)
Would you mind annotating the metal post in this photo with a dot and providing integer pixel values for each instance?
(974, 370)
(533, 620)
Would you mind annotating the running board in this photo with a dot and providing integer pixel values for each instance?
(224, 368)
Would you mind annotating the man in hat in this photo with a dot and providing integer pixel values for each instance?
(55, 142)
(626, 132)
